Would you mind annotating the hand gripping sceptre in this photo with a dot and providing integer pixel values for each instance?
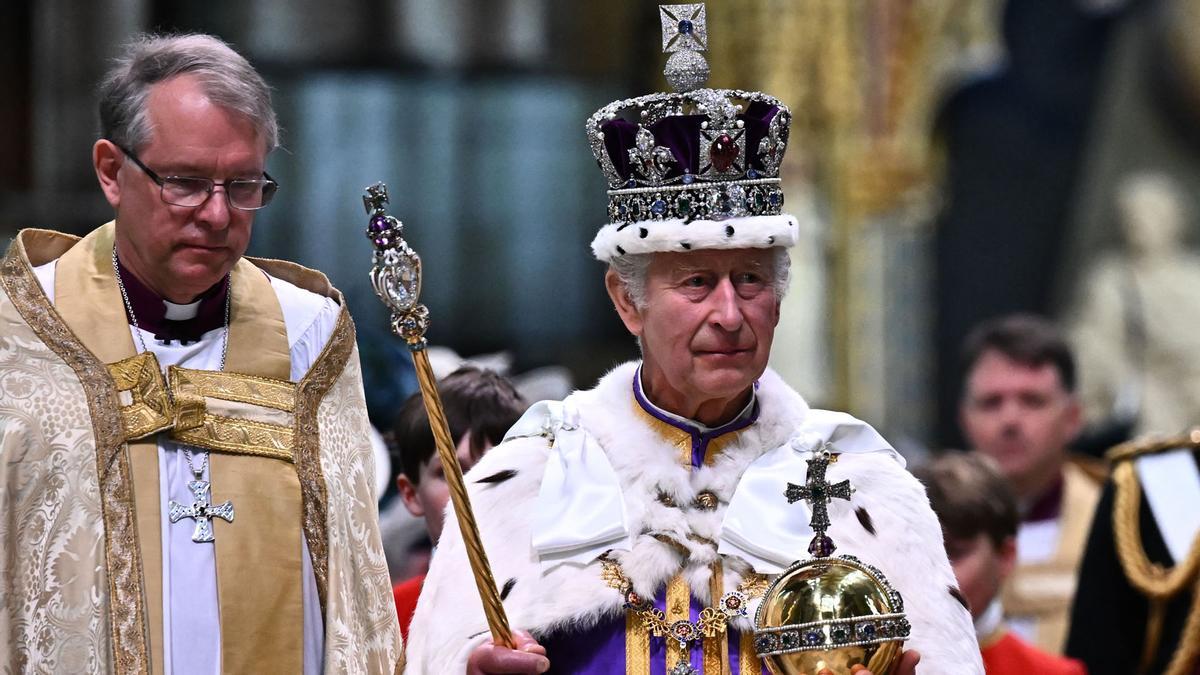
(396, 276)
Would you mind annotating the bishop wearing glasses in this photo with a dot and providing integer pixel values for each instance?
(185, 475)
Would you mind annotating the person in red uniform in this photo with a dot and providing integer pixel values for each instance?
(979, 520)
(480, 407)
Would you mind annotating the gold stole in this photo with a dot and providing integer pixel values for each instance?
(1044, 590)
(258, 560)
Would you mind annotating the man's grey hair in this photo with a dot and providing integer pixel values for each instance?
(226, 78)
(632, 269)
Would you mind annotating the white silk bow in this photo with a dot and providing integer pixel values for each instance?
(760, 526)
(580, 512)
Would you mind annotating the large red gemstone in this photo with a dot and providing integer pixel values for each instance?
(723, 153)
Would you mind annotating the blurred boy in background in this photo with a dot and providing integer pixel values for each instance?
(979, 520)
(480, 406)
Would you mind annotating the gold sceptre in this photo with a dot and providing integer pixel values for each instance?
(396, 276)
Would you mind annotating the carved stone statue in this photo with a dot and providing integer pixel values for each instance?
(1137, 326)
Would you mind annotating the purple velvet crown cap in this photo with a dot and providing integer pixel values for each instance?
(708, 136)
(680, 134)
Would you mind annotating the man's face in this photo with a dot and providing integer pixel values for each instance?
(980, 568)
(706, 327)
(429, 497)
(1020, 416)
(179, 252)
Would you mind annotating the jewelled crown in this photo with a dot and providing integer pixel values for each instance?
(677, 164)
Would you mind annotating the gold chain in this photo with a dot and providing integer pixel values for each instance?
(713, 620)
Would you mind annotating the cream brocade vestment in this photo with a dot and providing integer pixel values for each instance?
(81, 559)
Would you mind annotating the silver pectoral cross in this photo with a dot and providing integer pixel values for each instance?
(201, 511)
(818, 492)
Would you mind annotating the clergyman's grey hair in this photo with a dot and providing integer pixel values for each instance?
(226, 78)
(632, 270)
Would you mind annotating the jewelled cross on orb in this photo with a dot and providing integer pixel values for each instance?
(200, 511)
(818, 492)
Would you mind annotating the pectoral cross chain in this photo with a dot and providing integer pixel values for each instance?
(818, 492)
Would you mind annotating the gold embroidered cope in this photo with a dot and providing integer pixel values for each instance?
(109, 403)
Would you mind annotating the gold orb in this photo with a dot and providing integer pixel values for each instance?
(830, 613)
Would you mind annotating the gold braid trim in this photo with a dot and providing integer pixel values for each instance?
(1184, 659)
(1151, 444)
(1150, 578)
(314, 497)
(1159, 584)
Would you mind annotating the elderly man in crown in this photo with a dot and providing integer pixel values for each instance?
(634, 527)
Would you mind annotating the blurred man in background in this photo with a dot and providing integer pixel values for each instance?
(1019, 408)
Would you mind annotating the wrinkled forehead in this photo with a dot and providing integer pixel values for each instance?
(182, 111)
(716, 260)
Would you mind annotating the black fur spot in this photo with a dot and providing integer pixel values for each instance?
(728, 230)
(686, 246)
(771, 240)
(865, 519)
(957, 595)
(498, 477)
(508, 586)
(622, 226)
(642, 232)
(620, 250)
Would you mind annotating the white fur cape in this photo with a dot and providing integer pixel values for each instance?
(906, 544)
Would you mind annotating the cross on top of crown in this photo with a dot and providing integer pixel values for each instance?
(683, 27)
(376, 198)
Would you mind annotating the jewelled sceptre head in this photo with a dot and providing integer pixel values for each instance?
(396, 270)
(396, 277)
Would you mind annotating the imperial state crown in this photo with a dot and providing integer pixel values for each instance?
(695, 168)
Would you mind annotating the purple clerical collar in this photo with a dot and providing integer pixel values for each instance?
(152, 311)
(1047, 506)
(700, 433)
